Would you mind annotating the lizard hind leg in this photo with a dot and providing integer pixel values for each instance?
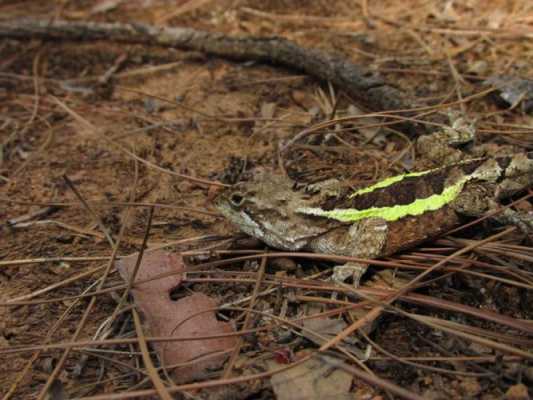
(341, 273)
(477, 201)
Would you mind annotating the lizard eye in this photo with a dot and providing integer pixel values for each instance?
(236, 199)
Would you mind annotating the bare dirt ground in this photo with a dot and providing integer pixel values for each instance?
(207, 117)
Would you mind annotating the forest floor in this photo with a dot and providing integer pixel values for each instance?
(123, 121)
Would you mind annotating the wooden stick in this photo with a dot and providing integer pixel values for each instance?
(358, 82)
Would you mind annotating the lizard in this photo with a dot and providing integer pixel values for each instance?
(380, 219)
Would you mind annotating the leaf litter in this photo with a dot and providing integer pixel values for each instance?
(486, 293)
(192, 315)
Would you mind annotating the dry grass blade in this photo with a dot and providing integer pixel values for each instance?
(35, 356)
(185, 8)
(377, 310)
(422, 366)
(111, 204)
(133, 112)
(129, 153)
(373, 380)
(247, 319)
(131, 281)
(81, 324)
(90, 210)
(454, 329)
(150, 369)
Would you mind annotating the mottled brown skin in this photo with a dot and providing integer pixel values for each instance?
(272, 208)
(412, 188)
(411, 231)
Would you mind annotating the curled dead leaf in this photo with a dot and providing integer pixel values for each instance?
(189, 317)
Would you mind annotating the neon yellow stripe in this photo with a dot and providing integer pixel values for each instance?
(397, 178)
(418, 207)
(388, 182)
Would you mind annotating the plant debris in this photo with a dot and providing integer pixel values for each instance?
(134, 101)
(191, 316)
(312, 380)
(514, 91)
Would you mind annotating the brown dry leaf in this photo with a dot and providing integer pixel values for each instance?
(387, 279)
(166, 317)
(513, 90)
(470, 387)
(383, 279)
(517, 392)
(372, 131)
(319, 330)
(314, 379)
(325, 327)
(303, 99)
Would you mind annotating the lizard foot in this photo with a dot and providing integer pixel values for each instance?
(349, 270)
(522, 220)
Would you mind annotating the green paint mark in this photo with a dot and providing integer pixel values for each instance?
(388, 182)
(418, 207)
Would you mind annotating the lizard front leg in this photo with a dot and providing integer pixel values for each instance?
(365, 238)
(441, 148)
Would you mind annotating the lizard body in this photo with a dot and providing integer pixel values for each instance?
(378, 220)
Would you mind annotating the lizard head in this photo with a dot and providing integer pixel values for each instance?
(265, 207)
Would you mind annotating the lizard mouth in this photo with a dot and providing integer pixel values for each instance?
(268, 234)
